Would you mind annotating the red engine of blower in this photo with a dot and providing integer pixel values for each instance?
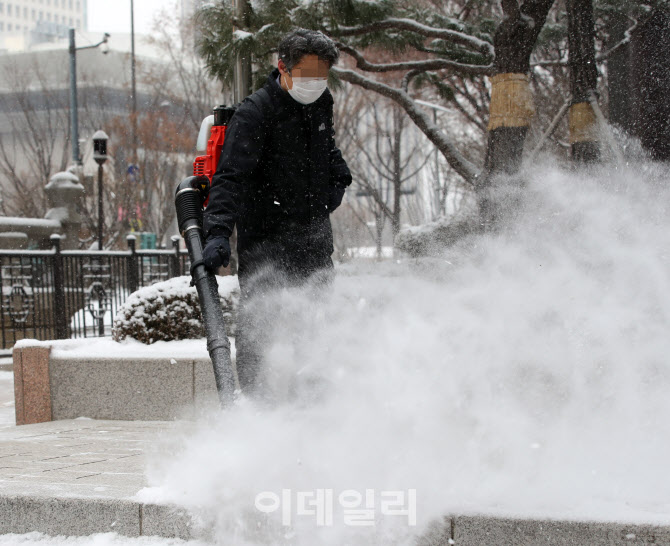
(210, 140)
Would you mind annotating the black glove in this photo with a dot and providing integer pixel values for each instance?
(336, 195)
(216, 253)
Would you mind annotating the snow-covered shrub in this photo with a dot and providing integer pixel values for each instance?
(170, 310)
(429, 238)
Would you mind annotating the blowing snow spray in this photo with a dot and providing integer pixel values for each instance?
(190, 198)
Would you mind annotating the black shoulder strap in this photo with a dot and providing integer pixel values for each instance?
(262, 101)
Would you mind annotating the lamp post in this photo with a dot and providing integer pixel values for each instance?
(133, 79)
(100, 155)
(74, 117)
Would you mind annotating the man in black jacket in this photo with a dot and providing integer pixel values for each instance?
(279, 177)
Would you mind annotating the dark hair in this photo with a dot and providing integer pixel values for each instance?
(301, 42)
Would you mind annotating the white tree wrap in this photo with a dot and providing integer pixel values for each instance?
(582, 123)
(511, 101)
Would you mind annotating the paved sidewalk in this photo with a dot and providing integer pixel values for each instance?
(6, 362)
(78, 457)
(7, 415)
(79, 477)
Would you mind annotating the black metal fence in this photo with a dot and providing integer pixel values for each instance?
(59, 294)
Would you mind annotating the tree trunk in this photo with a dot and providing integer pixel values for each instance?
(514, 41)
(650, 77)
(379, 226)
(639, 82)
(397, 170)
(583, 81)
(618, 74)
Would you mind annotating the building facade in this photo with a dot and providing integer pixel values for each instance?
(25, 23)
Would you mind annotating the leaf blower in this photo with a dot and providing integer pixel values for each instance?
(190, 198)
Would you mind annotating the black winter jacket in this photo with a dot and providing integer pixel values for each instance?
(279, 176)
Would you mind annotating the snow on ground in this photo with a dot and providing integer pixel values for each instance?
(7, 417)
(83, 320)
(101, 539)
(369, 252)
(129, 348)
(104, 347)
(522, 373)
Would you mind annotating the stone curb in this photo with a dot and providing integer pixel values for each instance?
(79, 516)
(494, 531)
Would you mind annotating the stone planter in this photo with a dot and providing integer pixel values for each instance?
(51, 385)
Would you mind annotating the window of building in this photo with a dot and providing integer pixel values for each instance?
(78, 25)
(9, 11)
(69, 3)
(2, 26)
(56, 3)
(2, 7)
(25, 13)
(78, 5)
(34, 15)
(48, 16)
(70, 21)
(9, 27)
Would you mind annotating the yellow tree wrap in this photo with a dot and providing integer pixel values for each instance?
(511, 101)
(582, 123)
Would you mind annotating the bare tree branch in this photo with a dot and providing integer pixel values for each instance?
(453, 36)
(624, 41)
(454, 157)
(427, 64)
(377, 196)
(602, 56)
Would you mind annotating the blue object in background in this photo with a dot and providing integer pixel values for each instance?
(147, 240)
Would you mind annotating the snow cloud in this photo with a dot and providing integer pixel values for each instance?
(520, 373)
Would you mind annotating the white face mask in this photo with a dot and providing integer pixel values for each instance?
(307, 90)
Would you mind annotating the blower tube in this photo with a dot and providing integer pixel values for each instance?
(190, 195)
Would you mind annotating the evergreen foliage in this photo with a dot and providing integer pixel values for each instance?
(269, 20)
(170, 310)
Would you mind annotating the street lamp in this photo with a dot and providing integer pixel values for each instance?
(133, 79)
(74, 121)
(100, 155)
